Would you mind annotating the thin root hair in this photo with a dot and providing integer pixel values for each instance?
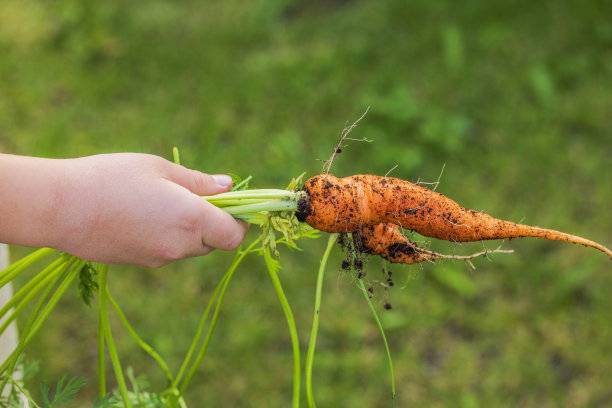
(344, 137)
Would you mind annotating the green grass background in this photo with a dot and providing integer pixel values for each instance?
(513, 97)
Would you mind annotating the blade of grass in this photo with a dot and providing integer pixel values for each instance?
(315, 321)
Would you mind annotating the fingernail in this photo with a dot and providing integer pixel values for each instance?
(222, 180)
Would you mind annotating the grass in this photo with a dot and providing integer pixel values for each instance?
(512, 96)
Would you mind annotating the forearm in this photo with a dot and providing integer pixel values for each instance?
(31, 192)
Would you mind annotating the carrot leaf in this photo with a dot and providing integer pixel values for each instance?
(239, 184)
(65, 391)
(88, 284)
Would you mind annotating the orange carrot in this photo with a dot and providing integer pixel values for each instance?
(388, 241)
(352, 203)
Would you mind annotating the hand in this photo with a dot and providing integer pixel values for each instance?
(129, 208)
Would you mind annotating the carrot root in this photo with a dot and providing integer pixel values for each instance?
(387, 241)
(352, 203)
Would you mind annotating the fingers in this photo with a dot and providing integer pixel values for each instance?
(207, 226)
(199, 183)
(201, 230)
(219, 229)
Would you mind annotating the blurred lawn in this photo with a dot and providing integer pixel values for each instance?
(512, 96)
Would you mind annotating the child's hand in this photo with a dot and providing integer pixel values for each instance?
(129, 208)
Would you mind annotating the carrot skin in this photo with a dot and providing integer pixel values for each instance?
(351, 203)
(387, 241)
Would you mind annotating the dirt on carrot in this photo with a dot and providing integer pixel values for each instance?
(376, 206)
(388, 241)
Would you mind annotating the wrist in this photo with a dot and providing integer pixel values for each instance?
(60, 204)
(72, 205)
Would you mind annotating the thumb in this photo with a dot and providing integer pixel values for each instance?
(200, 183)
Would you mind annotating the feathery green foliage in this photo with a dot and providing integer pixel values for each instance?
(65, 391)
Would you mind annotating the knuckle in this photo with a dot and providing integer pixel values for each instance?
(199, 180)
(189, 227)
(150, 160)
(166, 254)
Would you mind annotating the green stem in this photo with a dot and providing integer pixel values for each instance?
(30, 290)
(23, 391)
(269, 205)
(290, 321)
(101, 354)
(252, 218)
(108, 337)
(9, 364)
(146, 347)
(175, 155)
(253, 205)
(27, 288)
(239, 257)
(263, 194)
(244, 182)
(72, 272)
(382, 332)
(230, 202)
(315, 320)
(199, 332)
(16, 268)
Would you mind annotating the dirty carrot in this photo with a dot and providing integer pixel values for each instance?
(351, 203)
(387, 241)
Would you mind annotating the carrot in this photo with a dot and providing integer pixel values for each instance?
(352, 203)
(388, 241)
